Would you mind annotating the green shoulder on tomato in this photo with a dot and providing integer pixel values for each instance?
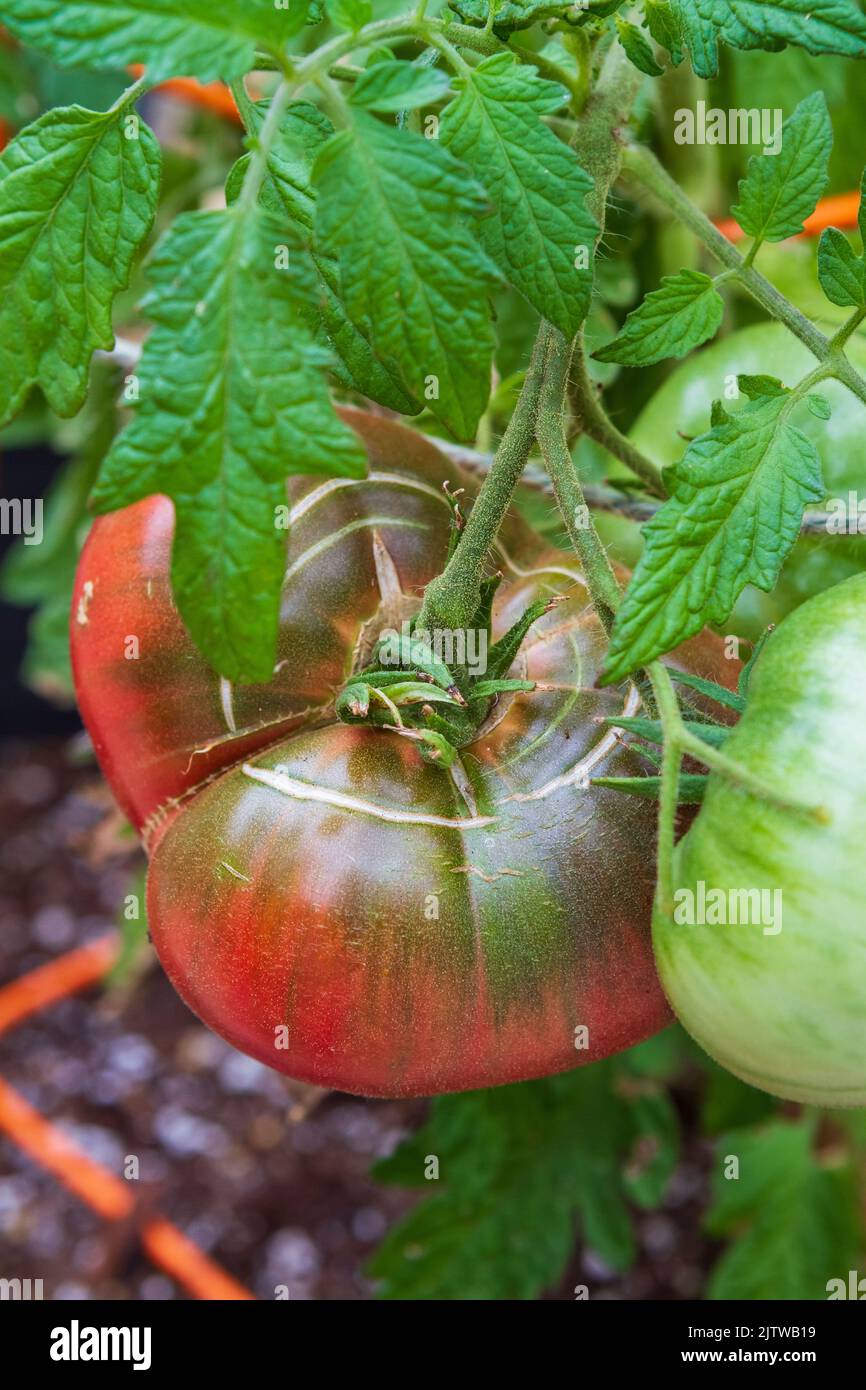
(762, 951)
(680, 410)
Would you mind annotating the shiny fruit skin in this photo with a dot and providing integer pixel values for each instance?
(680, 410)
(786, 1011)
(320, 896)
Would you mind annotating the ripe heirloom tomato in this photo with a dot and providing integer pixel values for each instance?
(680, 410)
(319, 895)
(783, 1003)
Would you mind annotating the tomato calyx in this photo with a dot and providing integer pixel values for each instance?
(409, 689)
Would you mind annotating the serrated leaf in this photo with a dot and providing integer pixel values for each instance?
(758, 386)
(638, 50)
(664, 26)
(535, 183)
(288, 191)
(520, 14)
(841, 271)
(77, 198)
(671, 321)
(396, 86)
(818, 26)
(42, 576)
(304, 129)
(793, 1222)
(737, 500)
(231, 402)
(349, 14)
(173, 38)
(391, 211)
(518, 1166)
(781, 190)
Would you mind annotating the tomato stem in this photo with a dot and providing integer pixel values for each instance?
(598, 571)
(672, 757)
(451, 600)
(643, 166)
(718, 761)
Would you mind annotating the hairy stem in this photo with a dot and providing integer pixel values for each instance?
(244, 104)
(595, 421)
(672, 757)
(451, 600)
(550, 430)
(258, 165)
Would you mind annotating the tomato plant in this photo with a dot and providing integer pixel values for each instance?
(331, 903)
(776, 991)
(410, 780)
(680, 411)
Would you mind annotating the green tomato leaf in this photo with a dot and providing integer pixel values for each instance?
(540, 232)
(391, 213)
(288, 186)
(42, 576)
(396, 86)
(638, 49)
(671, 321)
(77, 198)
(520, 14)
(554, 1152)
(759, 386)
(792, 1222)
(173, 38)
(841, 271)
(818, 26)
(781, 190)
(737, 500)
(349, 14)
(231, 402)
(664, 26)
(288, 191)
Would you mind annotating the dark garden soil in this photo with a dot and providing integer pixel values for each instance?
(270, 1179)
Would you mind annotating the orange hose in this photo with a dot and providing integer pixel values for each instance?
(69, 973)
(101, 1190)
(841, 210)
(113, 1199)
(213, 96)
(47, 1145)
(180, 1257)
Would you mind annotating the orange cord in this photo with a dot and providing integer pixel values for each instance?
(213, 96)
(112, 1199)
(99, 1188)
(66, 975)
(841, 210)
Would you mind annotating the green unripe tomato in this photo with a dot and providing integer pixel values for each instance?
(680, 410)
(782, 1002)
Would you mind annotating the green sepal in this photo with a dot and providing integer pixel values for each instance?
(651, 729)
(690, 791)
